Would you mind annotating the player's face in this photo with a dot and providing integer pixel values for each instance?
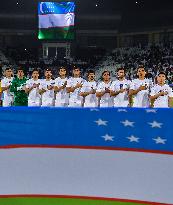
(35, 75)
(20, 73)
(121, 74)
(161, 79)
(106, 76)
(141, 73)
(48, 74)
(62, 72)
(9, 73)
(76, 72)
(91, 77)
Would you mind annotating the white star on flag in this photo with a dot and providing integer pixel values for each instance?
(108, 138)
(155, 124)
(122, 110)
(159, 140)
(151, 111)
(127, 123)
(133, 139)
(101, 122)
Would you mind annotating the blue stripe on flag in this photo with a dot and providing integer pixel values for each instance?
(130, 128)
(55, 8)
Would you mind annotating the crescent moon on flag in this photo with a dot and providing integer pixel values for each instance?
(69, 18)
(41, 7)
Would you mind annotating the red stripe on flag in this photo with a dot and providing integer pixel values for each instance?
(83, 197)
(86, 148)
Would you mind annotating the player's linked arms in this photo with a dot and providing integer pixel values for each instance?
(163, 93)
(36, 85)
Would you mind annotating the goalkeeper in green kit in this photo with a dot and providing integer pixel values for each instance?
(18, 88)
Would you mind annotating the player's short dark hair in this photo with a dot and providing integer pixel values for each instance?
(35, 70)
(121, 69)
(142, 67)
(20, 68)
(76, 67)
(162, 73)
(48, 69)
(65, 68)
(106, 71)
(8, 68)
(90, 71)
(62, 67)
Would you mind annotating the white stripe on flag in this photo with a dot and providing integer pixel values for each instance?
(114, 174)
(56, 20)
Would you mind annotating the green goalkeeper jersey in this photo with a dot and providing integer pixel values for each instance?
(20, 97)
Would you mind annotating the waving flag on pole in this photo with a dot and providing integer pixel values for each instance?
(86, 156)
(56, 20)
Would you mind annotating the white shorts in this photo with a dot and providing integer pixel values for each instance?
(137, 105)
(47, 103)
(161, 105)
(7, 103)
(119, 104)
(58, 104)
(104, 105)
(32, 103)
(90, 105)
(74, 104)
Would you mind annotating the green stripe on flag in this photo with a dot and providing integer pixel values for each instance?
(66, 33)
(59, 201)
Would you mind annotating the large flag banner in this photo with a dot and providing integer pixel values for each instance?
(56, 20)
(86, 156)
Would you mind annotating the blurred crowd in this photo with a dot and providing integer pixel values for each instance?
(155, 58)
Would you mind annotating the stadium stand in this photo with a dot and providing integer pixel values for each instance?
(155, 58)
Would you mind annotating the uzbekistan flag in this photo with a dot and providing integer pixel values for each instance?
(56, 20)
(86, 156)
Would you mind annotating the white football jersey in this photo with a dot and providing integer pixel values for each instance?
(121, 100)
(161, 101)
(48, 96)
(90, 100)
(7, 96)
(62, 97)
(141, 99)
(74, 97)
(34, 95)
(106, 100)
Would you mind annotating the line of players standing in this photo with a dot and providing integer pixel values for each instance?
(78, 92)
